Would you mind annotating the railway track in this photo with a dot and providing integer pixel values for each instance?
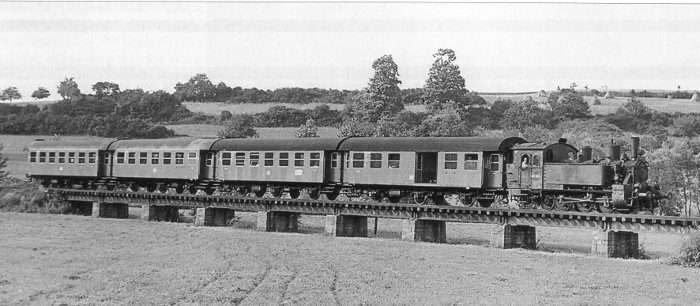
(445, 213)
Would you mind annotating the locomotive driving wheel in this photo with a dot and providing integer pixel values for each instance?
(276, 192)
(563, 204)
(548, 203)
(585, 206)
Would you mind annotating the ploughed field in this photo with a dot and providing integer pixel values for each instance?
(56, 259)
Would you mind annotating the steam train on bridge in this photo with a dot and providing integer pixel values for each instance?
(476, 171)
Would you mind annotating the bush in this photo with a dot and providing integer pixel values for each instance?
(689, 255)
(30, 199)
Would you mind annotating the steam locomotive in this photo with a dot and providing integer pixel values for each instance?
(470, 171)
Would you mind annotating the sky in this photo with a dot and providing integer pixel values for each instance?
(507, 47)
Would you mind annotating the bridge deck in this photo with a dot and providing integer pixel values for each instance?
(396, 211)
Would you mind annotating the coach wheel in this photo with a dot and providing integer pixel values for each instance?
(420, 198)
(192, 190)
(438, 199)
(276, 192)
(151, 188)
(45, 184)
(606, 207)
(162, 188)
(241, 191)
(485, 202)
(333, 195)
(209, 190)
(548, 203)
(179, 189)
(109, 187)
(133, 188)
(294, 193)
(260, 192)
(314, 194)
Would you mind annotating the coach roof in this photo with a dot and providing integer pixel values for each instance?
(289, 144)
(430, 144)
(71, 145)
(180, 143)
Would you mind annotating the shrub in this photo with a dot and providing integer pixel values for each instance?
(31, 199)
(689, 255)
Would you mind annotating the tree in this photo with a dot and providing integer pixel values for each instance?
(307, 130)
(199, 88)
(240, 126)
(676, 167)
(382, 97)
(525, 114)
(41, 93)
(445, 83)
(10, 93)
(103, 89)
(687, 125)
(3, 164)
(68, 89)
(568, 105)
(355, 127)
(445, 123)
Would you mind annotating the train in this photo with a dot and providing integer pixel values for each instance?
(470, 171)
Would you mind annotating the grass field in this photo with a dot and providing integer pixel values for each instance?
(60, 259)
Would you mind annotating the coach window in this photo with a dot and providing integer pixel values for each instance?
(61, 157)
(254, 159)
(81, 157)
(315, 159)
(451, 161)
(192, 157)
(394, 160)
(284, 159)
(92, 157)
(269, 159)
(32, 157)
(132, 158)
(155, 157)
(375, 160)
(471, 161)
(298, 159)
(240, 159)
(52, 157)
(179, 158)
(535, 160)
(226, 158)
(42, 157)
(143, 158)
(167, 158)
(334, 160)
(358, 160)
(105, 158)
(494, 163)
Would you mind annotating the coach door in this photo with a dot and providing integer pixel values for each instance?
(334, 163)
(426, 168)
(525, 170)
(105, 164)
(493, 170)
(208, 165)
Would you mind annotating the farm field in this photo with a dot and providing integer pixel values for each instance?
(62, 259)
(209, 130)
(607, 105)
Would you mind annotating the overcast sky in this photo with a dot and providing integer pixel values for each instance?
(499, 47)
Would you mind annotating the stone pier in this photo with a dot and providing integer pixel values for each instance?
(508, 236)
(346, 226)
(110, 210)
(278, 221)
(160, 213)
(615, 244)
(424, 230)
(214, 216)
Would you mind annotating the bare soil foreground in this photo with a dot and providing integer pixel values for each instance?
(62, 259)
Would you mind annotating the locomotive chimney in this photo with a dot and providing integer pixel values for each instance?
(635, 146)
(587, 153)
(614, 152)
(562, 140)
